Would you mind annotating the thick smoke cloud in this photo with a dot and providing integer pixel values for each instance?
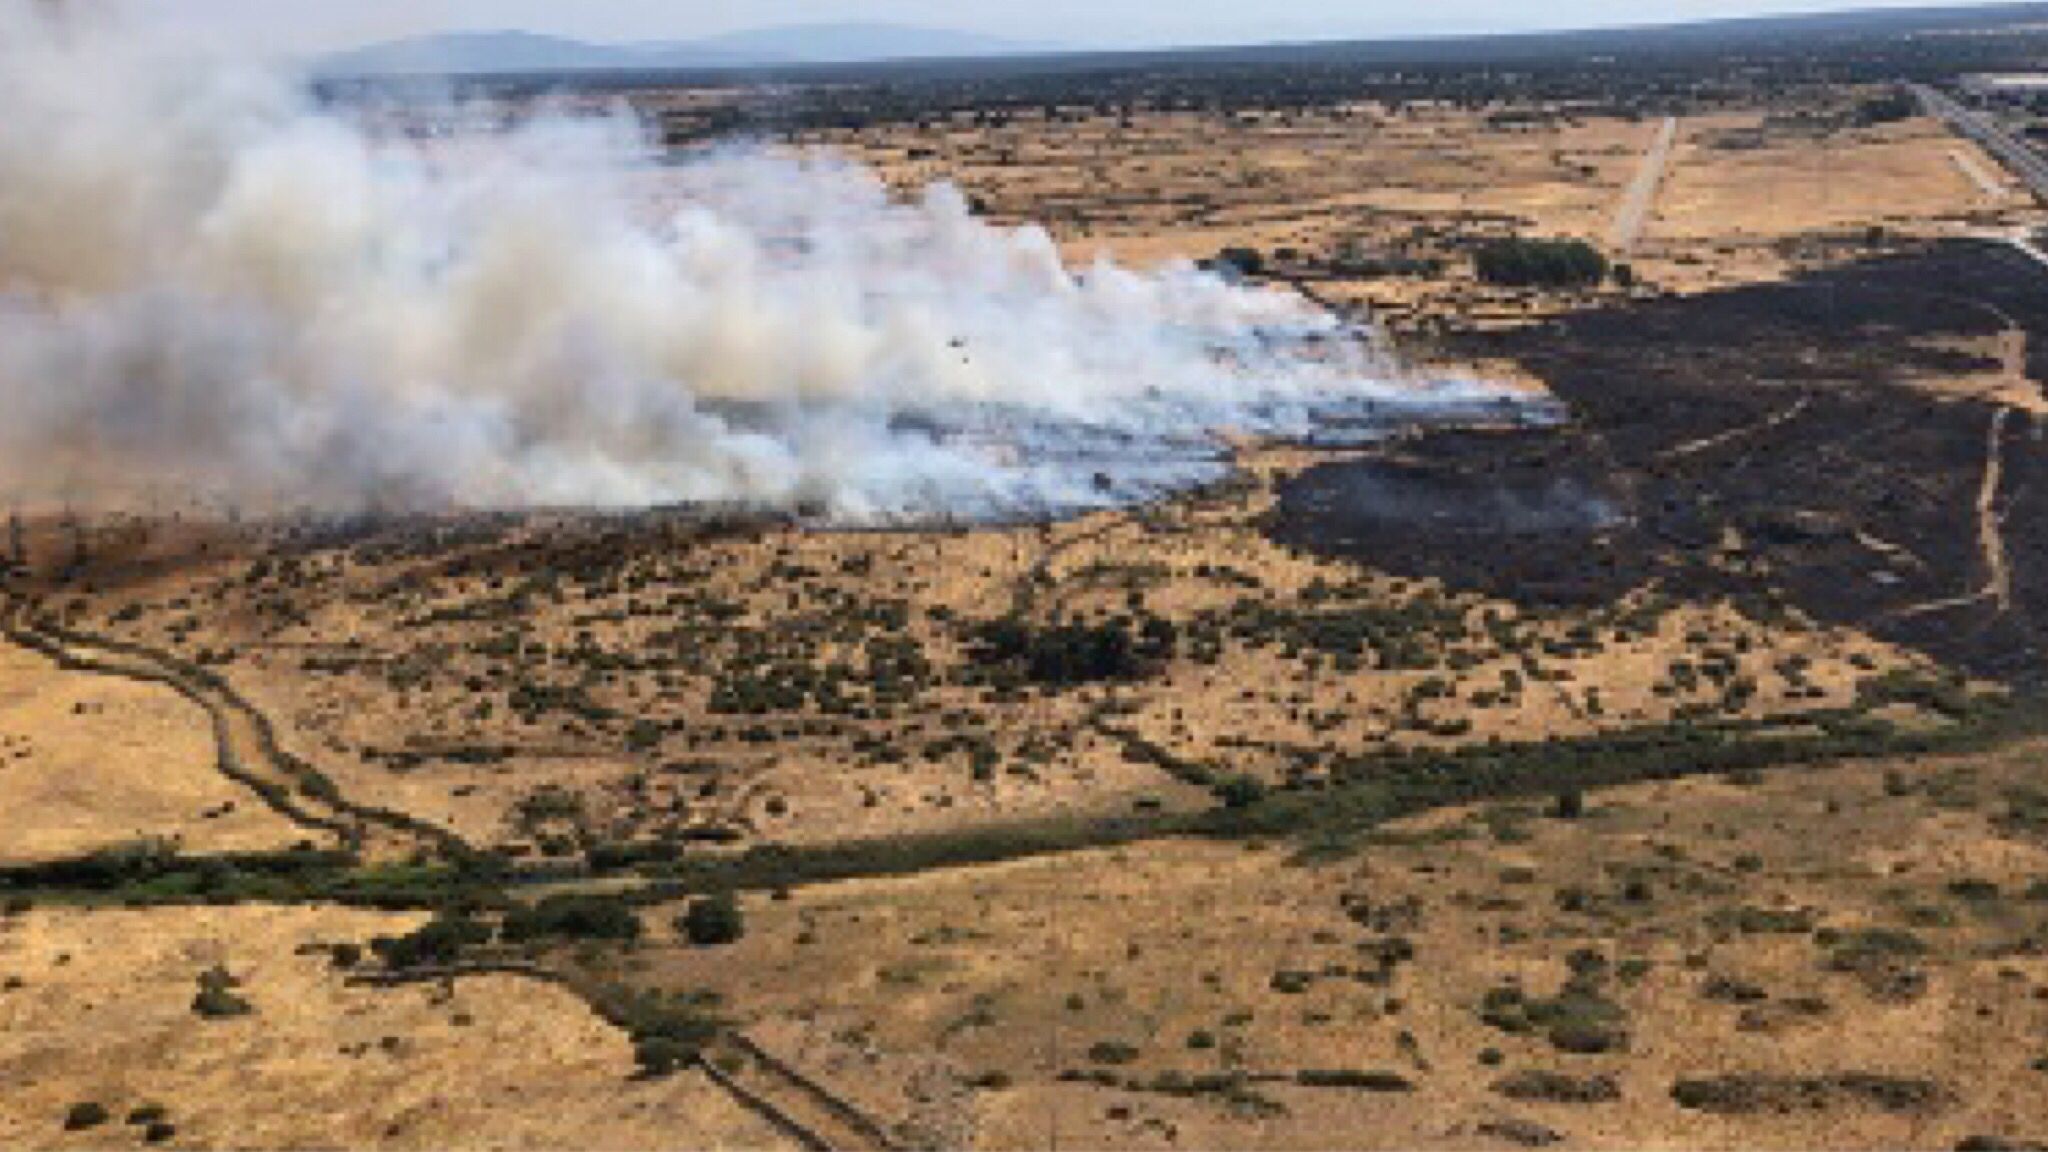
(208, 283)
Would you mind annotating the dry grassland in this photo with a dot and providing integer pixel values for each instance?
(1876, 926)
(88, 762)
(1749, 195)
(98, 1007)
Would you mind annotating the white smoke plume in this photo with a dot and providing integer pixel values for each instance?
(207, 281)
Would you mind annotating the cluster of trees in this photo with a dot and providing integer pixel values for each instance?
(1525, 263)
(1889, 108)
(571, 916)
(1078, 653)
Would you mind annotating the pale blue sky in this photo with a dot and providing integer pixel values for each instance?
(295, 26)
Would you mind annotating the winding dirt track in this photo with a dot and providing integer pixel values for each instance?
(1990, 534)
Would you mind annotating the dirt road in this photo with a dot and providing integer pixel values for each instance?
(1641, 195)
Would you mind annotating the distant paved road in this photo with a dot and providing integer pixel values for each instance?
(1642, 192)
(2016, 154)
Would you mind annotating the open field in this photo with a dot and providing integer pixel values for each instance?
(100, 1008)
(1379, 206)
(88, 763)
(1873, 920)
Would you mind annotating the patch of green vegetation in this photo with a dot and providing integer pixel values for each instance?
(572, 916)
(712, 921)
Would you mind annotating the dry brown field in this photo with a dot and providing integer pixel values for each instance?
(98, 1008)
(1749, 195)
(1875, 920)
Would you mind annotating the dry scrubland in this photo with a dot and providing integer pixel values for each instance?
(1845, 956)
(1849, 957)
(1749, 195)
(550, 687)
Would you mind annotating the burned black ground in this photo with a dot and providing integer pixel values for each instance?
(1765, 443)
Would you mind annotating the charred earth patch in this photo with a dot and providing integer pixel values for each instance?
(1801, 443)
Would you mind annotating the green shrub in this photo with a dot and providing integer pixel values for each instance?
(439, 941)
(712, 921)
(84, 1115)
(1241, 791)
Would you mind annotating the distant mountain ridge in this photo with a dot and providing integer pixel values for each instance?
(487, 53)
(836, 47)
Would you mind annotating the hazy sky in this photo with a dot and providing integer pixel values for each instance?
(310, 25)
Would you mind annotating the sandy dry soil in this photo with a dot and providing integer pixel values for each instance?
(98, 1007)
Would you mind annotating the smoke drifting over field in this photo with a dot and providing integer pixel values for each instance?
(210, 283)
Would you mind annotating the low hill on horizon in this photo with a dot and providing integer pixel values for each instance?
(512, 51)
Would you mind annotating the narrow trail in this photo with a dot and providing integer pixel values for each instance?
(796, 1105)
(1976, 174)
(1990, 522)
(1634, 213)
(246, 744)
(1990, 534)
(1709, 443)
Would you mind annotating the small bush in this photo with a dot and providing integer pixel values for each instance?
(216, 999)
(84, 1115)
(1112, 1052)
(712, 921)
(1362, 1080)
(1558, 1088)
